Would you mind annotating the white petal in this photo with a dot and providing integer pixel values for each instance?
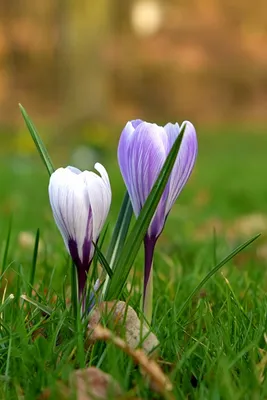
(57, 195)
(80, 203)
(104, 175)
(99, 193)
(74, 170)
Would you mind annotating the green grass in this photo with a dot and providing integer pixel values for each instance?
(214, 348)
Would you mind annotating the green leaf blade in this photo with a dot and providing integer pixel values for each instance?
(215, 269)
(37, 141)
(120, 230)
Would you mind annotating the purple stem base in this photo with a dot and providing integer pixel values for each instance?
(149, 244)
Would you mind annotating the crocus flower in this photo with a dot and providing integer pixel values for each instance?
(142, 151)
(80, 203)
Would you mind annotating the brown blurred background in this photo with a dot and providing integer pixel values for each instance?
(69, 62)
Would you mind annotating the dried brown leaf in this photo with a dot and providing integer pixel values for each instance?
(121, 315)
(94, 384)
(158, 380)
(86, 384)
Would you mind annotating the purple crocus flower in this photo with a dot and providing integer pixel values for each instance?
(80, 203)
(142, 151)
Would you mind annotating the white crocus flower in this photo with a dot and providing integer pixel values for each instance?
(80, 203)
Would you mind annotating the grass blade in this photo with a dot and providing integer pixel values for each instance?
(37, 304)
(4, 262)
(103, 261)
(38, 141)
(119, 235)
(34, 261)
(7, 301)
(214, 270)
(120, 230)
(100, 243)
(123, 264)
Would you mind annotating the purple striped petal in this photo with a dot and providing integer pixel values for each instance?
(141, 154)
(142, 151)
(185, 161)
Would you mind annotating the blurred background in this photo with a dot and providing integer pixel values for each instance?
(72, 62)
(83, 69)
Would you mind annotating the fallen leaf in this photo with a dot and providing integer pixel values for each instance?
(159, 382)
(122, 317)
(85, 384)
(94, 384)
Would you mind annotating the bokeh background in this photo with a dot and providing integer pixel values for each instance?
(82, 69)
(72, 62)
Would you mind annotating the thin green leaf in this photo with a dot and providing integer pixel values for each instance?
(235, 299)
(34, 261)
(38, 141)
(214, 270)
(120, 230)
(6, 248)
(38, 305)
(7, 301)
(123, 265)
(103, 261)
(100, 243)
(7, 386)
(119, 235)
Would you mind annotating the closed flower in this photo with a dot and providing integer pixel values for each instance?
(80, 203)
(142, 151)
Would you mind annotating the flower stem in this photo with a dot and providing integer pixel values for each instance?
(74, 287)
(149, 244)
(82, 277)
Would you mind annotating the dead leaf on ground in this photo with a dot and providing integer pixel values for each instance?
(158, 381)
(92, 383)
(86, 384)
(122, 317)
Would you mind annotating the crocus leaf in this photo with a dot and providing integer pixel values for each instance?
(100, 243)
(120, 230)
(119, 235)
(214, 270)
(38, 141)
(103, 260)
(124, 263)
